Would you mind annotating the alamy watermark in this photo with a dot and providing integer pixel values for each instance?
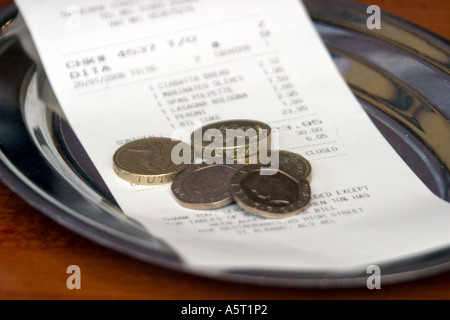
(216, 146)
(374, 21)
(374, 280)
(74, 280)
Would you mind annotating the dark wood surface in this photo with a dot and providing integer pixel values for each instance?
(35, 251)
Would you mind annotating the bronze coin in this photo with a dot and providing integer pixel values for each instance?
(147, 161)
(204, 187)
(274, 196)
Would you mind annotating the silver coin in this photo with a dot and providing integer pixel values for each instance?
(247, 137)
(274, 196)
(204, 187)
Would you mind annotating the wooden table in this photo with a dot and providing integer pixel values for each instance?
(35, 251)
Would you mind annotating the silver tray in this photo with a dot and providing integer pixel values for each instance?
(43, 162)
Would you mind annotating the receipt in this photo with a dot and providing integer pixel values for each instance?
(128, 69)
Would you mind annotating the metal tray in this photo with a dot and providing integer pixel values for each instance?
(400, 74)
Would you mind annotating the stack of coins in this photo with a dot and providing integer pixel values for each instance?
(269, 190)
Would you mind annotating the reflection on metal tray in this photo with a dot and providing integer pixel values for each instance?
(400, 75)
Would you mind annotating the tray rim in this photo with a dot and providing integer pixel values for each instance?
(37, 200)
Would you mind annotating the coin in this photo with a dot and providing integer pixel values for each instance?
(148, 161)
(231, 139)
(270, 196)
(289, 162)
(203, 186)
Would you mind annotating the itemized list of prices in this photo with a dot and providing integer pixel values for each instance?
(194, 74)
(204, 73)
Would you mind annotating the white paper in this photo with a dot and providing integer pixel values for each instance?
(128, 69)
